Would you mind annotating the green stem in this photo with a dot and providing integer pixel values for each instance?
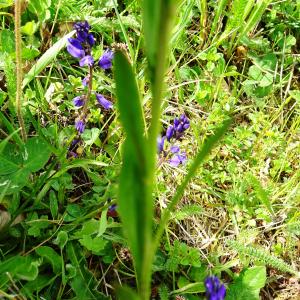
(157, 78)
(19, 74)
(88, 95)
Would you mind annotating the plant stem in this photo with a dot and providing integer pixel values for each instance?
(88, 95)
(19, 74)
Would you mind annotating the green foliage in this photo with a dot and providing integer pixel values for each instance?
(61, 239)
(134, 194)
(263, 256)
(17, 164)
(181, 254)
(248, 284)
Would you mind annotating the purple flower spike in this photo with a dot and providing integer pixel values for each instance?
(86, 60)
(105, 61)
(106, 104)
(214, 289)
(78, 101)
(79, 125)
(74, 48)
(160, 143)
(180, 125)
(170, 132)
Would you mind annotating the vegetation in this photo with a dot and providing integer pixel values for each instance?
(149, 149)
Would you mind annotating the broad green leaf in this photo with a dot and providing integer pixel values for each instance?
(90, 136)
(16, 164)
(20, 267)
(29, 28)
(36, 154)
(61, 239)
(135, 203)
(126, 293)
(46, 59)
(95, 244)
(248, 284)
(6, 3)
(7, 40)
(51, 256)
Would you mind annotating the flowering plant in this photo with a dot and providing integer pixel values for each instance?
(81, 48)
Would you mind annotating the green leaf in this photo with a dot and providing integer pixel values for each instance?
(36, 154)
(16, 164)
(61, 239)
(6, 3)
(126, 293)
(50, 255)
(93, 244)
(135, 202)
(7, 40)
(90, 136)
(29, 53)
(36, 285)
(187, 287)
(20, 267)
(248, 284)
(53, 204)
(29, 28)
(83, 283)
(102, 223)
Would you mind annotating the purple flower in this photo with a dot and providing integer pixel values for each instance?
(170, 132)
(79, 125)
(78, 101)
(85, 81)
(177, 159)
(105, 61)
(82, 30)
(175, 149)
(104, 102)
(90, 39)
(82, 26)
(86, 60)
(112, 211)
(74, 48)
(181, 124)
(160, 143)
(214, 289)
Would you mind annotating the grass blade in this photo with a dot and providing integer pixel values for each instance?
(46, 58)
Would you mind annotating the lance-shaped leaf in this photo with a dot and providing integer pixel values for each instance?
(135, 201)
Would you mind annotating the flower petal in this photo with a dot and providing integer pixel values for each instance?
(74, 48)
(105, 61)
(106, 104)
(86, 60)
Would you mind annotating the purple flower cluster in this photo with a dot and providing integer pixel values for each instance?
(81, 48)
(174, 131)
(179, 126)
(215, 290)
